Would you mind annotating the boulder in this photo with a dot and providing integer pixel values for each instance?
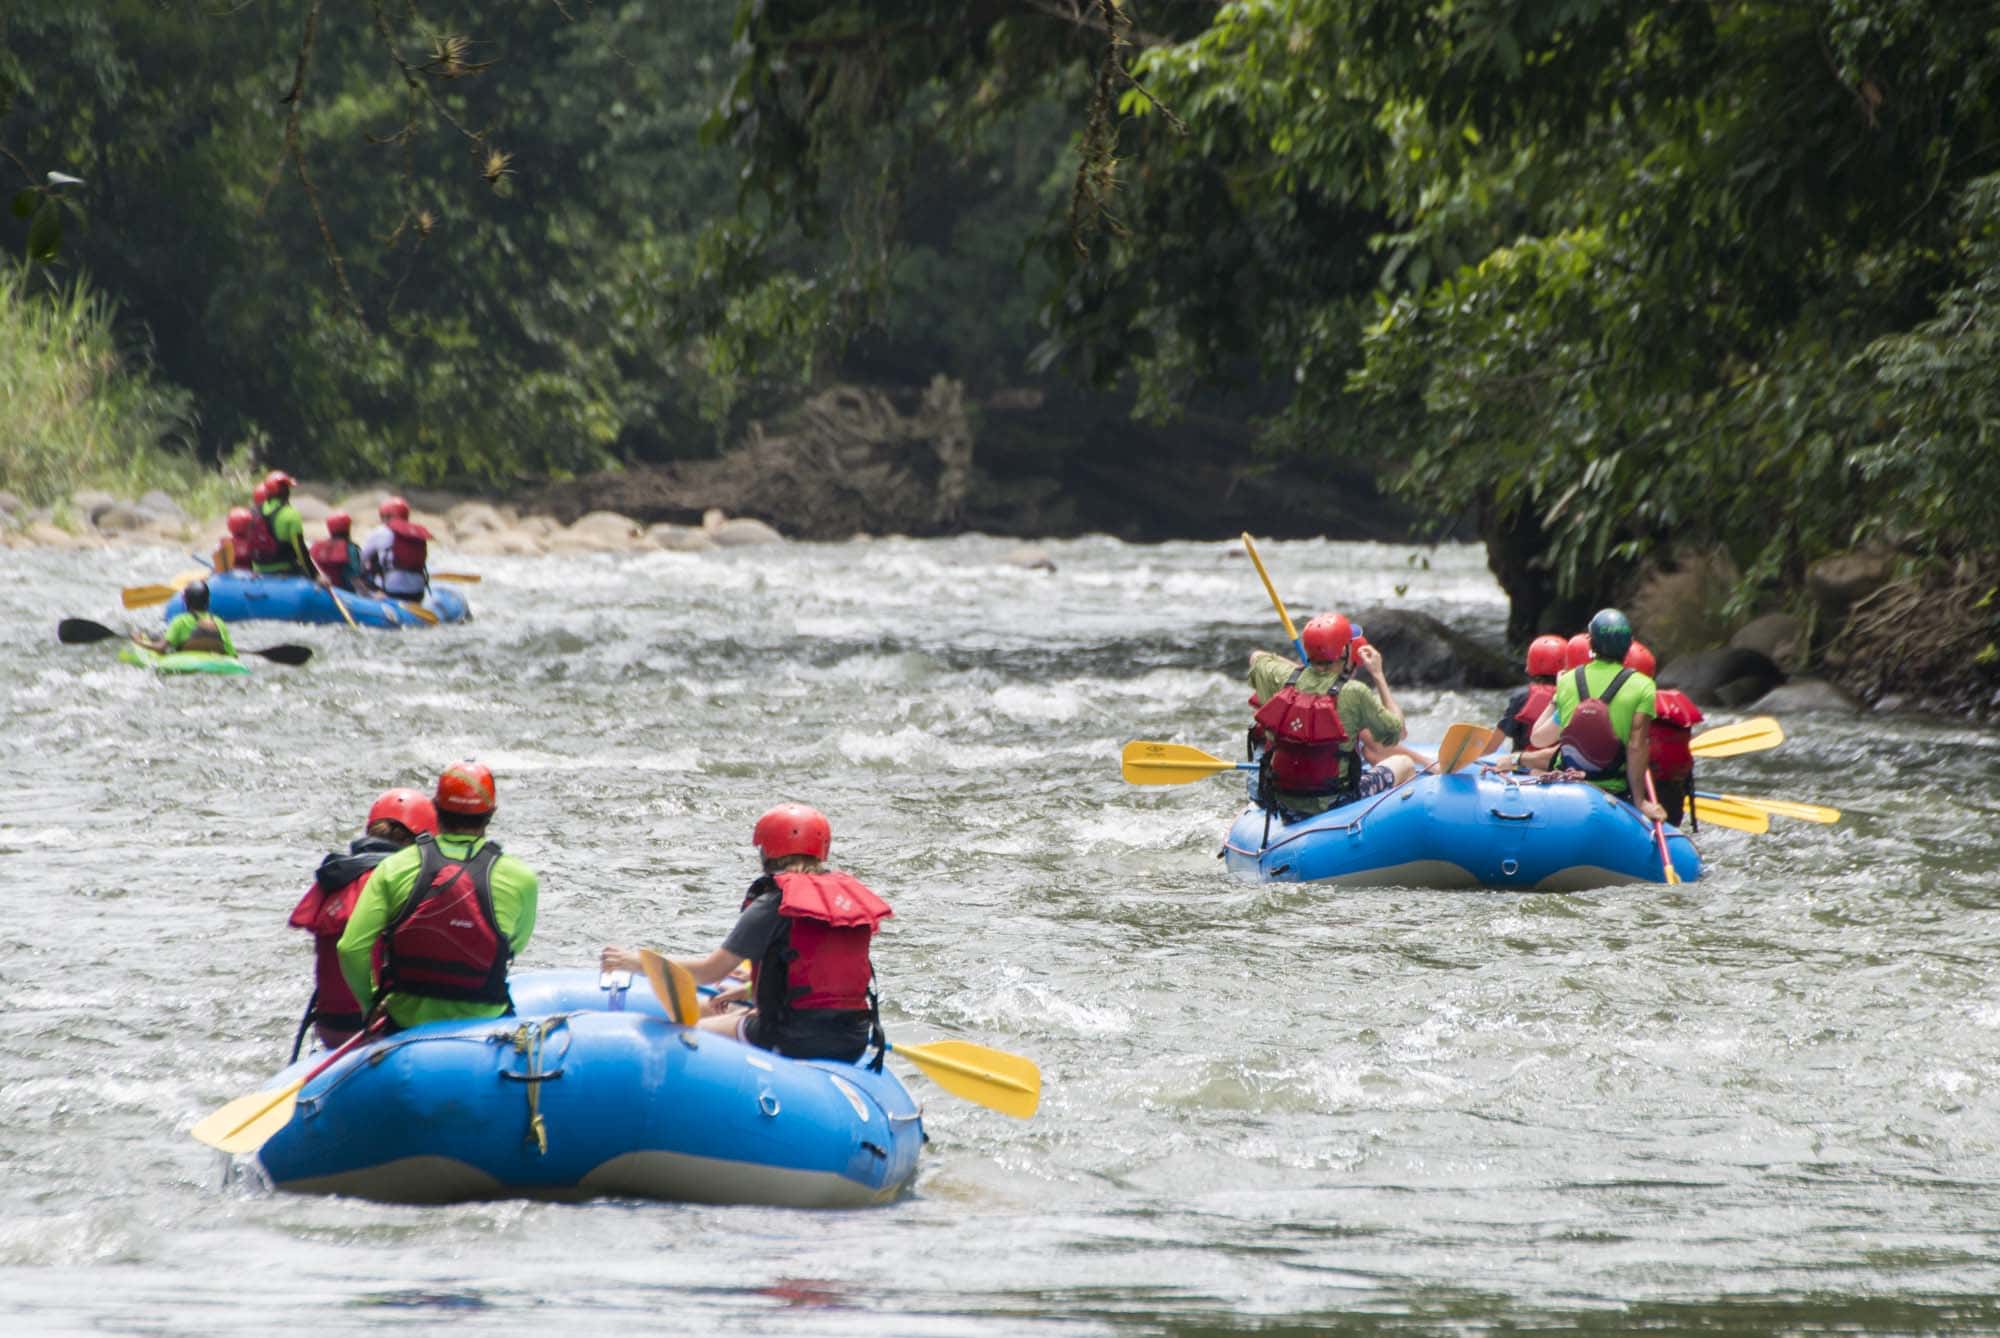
(123, 518)
(1801, 696)
(744, 532)
(608, 530)
(469, 518)
(1731, 676)
(1835, 583)
(49, 535)
(1419, 650)
(160, 504)
(1781, 637)
(431, 499)
(510, 542)
(679, 538)
(712, 518)
(89, 502)
(10, 505)
(1030, 558)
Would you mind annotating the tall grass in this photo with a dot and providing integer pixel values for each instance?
(78, 410)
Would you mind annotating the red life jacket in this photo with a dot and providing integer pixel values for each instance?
(409, 545)
(324, 912)
(1305, 735)
(262, 545)
(1674, 719)
(830, 918)
(330, 556)
(1590, 742)
(1539, 697)
(445, 943)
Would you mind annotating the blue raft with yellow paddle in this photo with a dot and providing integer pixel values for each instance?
(590, 1090)
(298, 599)
(1472, 828)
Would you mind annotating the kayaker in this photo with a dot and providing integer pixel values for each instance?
(1600, 716)
(278, 532)
(805, 930)
(1326, 737)
(338, 557)
(1525, 706)
(396, 819)
(194, 628)
(450, 912)
(396, 555)
(1669, 740)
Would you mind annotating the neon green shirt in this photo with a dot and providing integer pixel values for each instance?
(1633, 700)
(515, 892)
(183, 625)
(288, 527)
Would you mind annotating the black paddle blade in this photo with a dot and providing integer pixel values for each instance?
(286, 654)
(82, 631)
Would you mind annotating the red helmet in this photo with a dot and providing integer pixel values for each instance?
(393, 508)
(408, 807)
(1637, 657)
(278, 481)
(1577, 651)
(466, 787)
(1545, 655)
(239, 521)
(1327, 637)
(338, 522)
(792, 829)
(260, 494)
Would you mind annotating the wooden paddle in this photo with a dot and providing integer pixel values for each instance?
(341, 604)
(466, 576)
(247, 1123)
(1736, 817)
(1745, 736)
(82, 631)
(1147, 763)
(1783, 808)
(995, 1079)
(1250, 547)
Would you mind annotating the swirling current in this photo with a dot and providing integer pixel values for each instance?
(1758, 1103)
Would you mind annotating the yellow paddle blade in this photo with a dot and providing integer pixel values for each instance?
(1745, 736)
(1784, 808)
(341, 604)
(1465, 744)
(673, 987)
(247, 1123)
(1250, 547)
(417, 611)
(466, 576)
(144, 596)
(1144, 763)
(1010, 1084)
(1737, 817)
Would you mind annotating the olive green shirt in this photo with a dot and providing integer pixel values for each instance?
(1357, 703)
(515, 892)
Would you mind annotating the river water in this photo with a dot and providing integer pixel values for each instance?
(1763, 1102)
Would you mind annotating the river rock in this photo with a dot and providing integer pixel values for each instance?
(711, 519)
(90, 502)
(1835, 583)
(1030, 557)
(46, 534)
(468, 518)
(679, 538)
(122, 518)
(1731, 676)
(160, 504)
(1801, 696)
(1419, 650)
(744, 532)
(509, 542)
(10, 505)
(1781, 637)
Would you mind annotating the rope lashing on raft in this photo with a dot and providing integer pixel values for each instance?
(529, 1040)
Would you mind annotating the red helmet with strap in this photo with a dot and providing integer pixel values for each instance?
(278, 481)
(338, 522)
(393, 508)
(409, 807)
(1327, 636)
(466, 788)
(239, 521)
(1638, 658)
(792, 829)
(1545, 655)
(1577, 651)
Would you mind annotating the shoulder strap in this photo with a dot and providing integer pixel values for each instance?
(1611, 688)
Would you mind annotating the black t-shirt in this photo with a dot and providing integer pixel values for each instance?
(1516, 732)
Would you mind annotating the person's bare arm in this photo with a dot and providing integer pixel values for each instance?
(1639, 756)
(1371, 660)
(705, 970)
(1547, 730)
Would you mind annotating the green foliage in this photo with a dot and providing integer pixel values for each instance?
(82, 411)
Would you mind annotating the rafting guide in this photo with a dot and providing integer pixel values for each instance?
(1324, 735)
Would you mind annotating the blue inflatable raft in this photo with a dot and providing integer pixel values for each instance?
(1473, 828)
(590, 1092)
(297, 599)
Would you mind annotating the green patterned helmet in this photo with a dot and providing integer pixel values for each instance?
(1610, 635)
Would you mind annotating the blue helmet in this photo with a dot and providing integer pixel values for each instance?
(1610, 635)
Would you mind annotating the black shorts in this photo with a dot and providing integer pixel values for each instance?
(814, 1033)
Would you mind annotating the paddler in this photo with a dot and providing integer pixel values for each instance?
(396, 819)
(1669, 740)
(194, 628)
(1525, 706)
(1326, 737)
(805, 929)
(1600, 716)
(450, 913)
(278, 532)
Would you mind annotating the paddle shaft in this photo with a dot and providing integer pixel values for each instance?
(1660, 837)
(1250, 547)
